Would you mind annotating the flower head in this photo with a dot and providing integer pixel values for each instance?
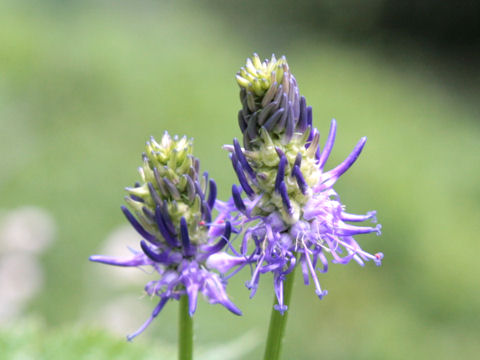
(295, 216)
(171, 211)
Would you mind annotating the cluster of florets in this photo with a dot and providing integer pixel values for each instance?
(295, 216)
(285, 207)
(171, 211)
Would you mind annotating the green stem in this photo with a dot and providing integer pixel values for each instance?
(278, 322)
(185, 331)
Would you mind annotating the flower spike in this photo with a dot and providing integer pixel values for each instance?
(294, 215)
(172, 214)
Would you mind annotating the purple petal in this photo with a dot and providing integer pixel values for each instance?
(371, 215)
(198, 190)
(224, 262)
(155, 312)
(160, 258)
(350, 230)
(173, 191)
(285, 199)
(280, 172)
(324, 261)
(172, 241)
(302, 120)
(290, 126)
(187, 248)
(154, 194)
(241, 121)
(253, 283)
(190, 188)
(167, 220)
(137, 226)
(275, 222)
(266, 111)
(222, 242)
(241, 175)
(212, 194)
(148, 213)
(159, 182)
(237, 198)
(328, 145)
(138, 260)
(318, 290)
(278, 287)
(279, 152)
(243, 160)
(272, 121)
(335, 173)
(206, 214)
(333, 244)
(298, 160)
(303, 264)
(214, 290)
(302, 184)
(281, 123)
(192, 292)
(136, 198)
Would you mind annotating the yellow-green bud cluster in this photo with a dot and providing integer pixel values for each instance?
(257, 76)
(169, 178)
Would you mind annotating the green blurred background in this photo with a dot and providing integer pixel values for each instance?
(84, 84)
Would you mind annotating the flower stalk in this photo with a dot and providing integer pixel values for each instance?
(185, 331)
(278, 322)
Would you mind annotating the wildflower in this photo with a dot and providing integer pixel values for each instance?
(171, 211)
(285, 195)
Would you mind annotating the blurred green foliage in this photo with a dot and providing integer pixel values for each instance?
(83, 85)
(30, 339)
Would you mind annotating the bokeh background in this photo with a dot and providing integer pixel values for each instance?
(83, 84)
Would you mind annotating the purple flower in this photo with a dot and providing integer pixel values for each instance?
(291, 213)
(173, 216)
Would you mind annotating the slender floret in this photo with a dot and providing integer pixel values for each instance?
(171, 212)
(295, 217)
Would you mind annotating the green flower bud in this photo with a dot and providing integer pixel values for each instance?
(170, 184)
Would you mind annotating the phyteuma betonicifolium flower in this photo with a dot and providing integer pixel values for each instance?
(285, 195)
(171, 211)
